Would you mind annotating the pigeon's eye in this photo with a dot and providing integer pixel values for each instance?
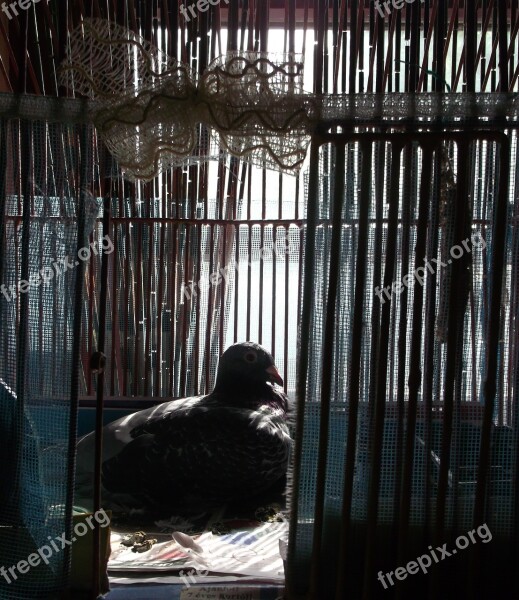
(251, 357)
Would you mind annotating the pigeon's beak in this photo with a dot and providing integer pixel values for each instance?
(274, 375)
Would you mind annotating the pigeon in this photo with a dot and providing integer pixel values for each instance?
(196, 453)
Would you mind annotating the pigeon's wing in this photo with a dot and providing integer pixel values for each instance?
(117, 436)
(203, 454)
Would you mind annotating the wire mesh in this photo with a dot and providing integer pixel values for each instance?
(399, 391)
(40, 269)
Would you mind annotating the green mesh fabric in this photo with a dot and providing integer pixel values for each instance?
(409, 375)
(42, 166)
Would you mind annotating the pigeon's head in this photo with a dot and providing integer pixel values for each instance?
(246, 368)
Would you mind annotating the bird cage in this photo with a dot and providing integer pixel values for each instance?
(383, 278)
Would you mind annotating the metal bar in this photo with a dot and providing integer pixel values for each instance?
(429, 349)
(408, 223)
(196, 336)
(76, 349)
(303, 364)
(173, 311)
(98, 457)
(126, 292)
(115, 363)
(415, 373)
(24, 169)
(211, 308)
(3, 185)
(503, 49)
(147, 307)
(159, 375)
(355, 367)
(470, 49)
(492, 335)
(326, 375)
(456, 310)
